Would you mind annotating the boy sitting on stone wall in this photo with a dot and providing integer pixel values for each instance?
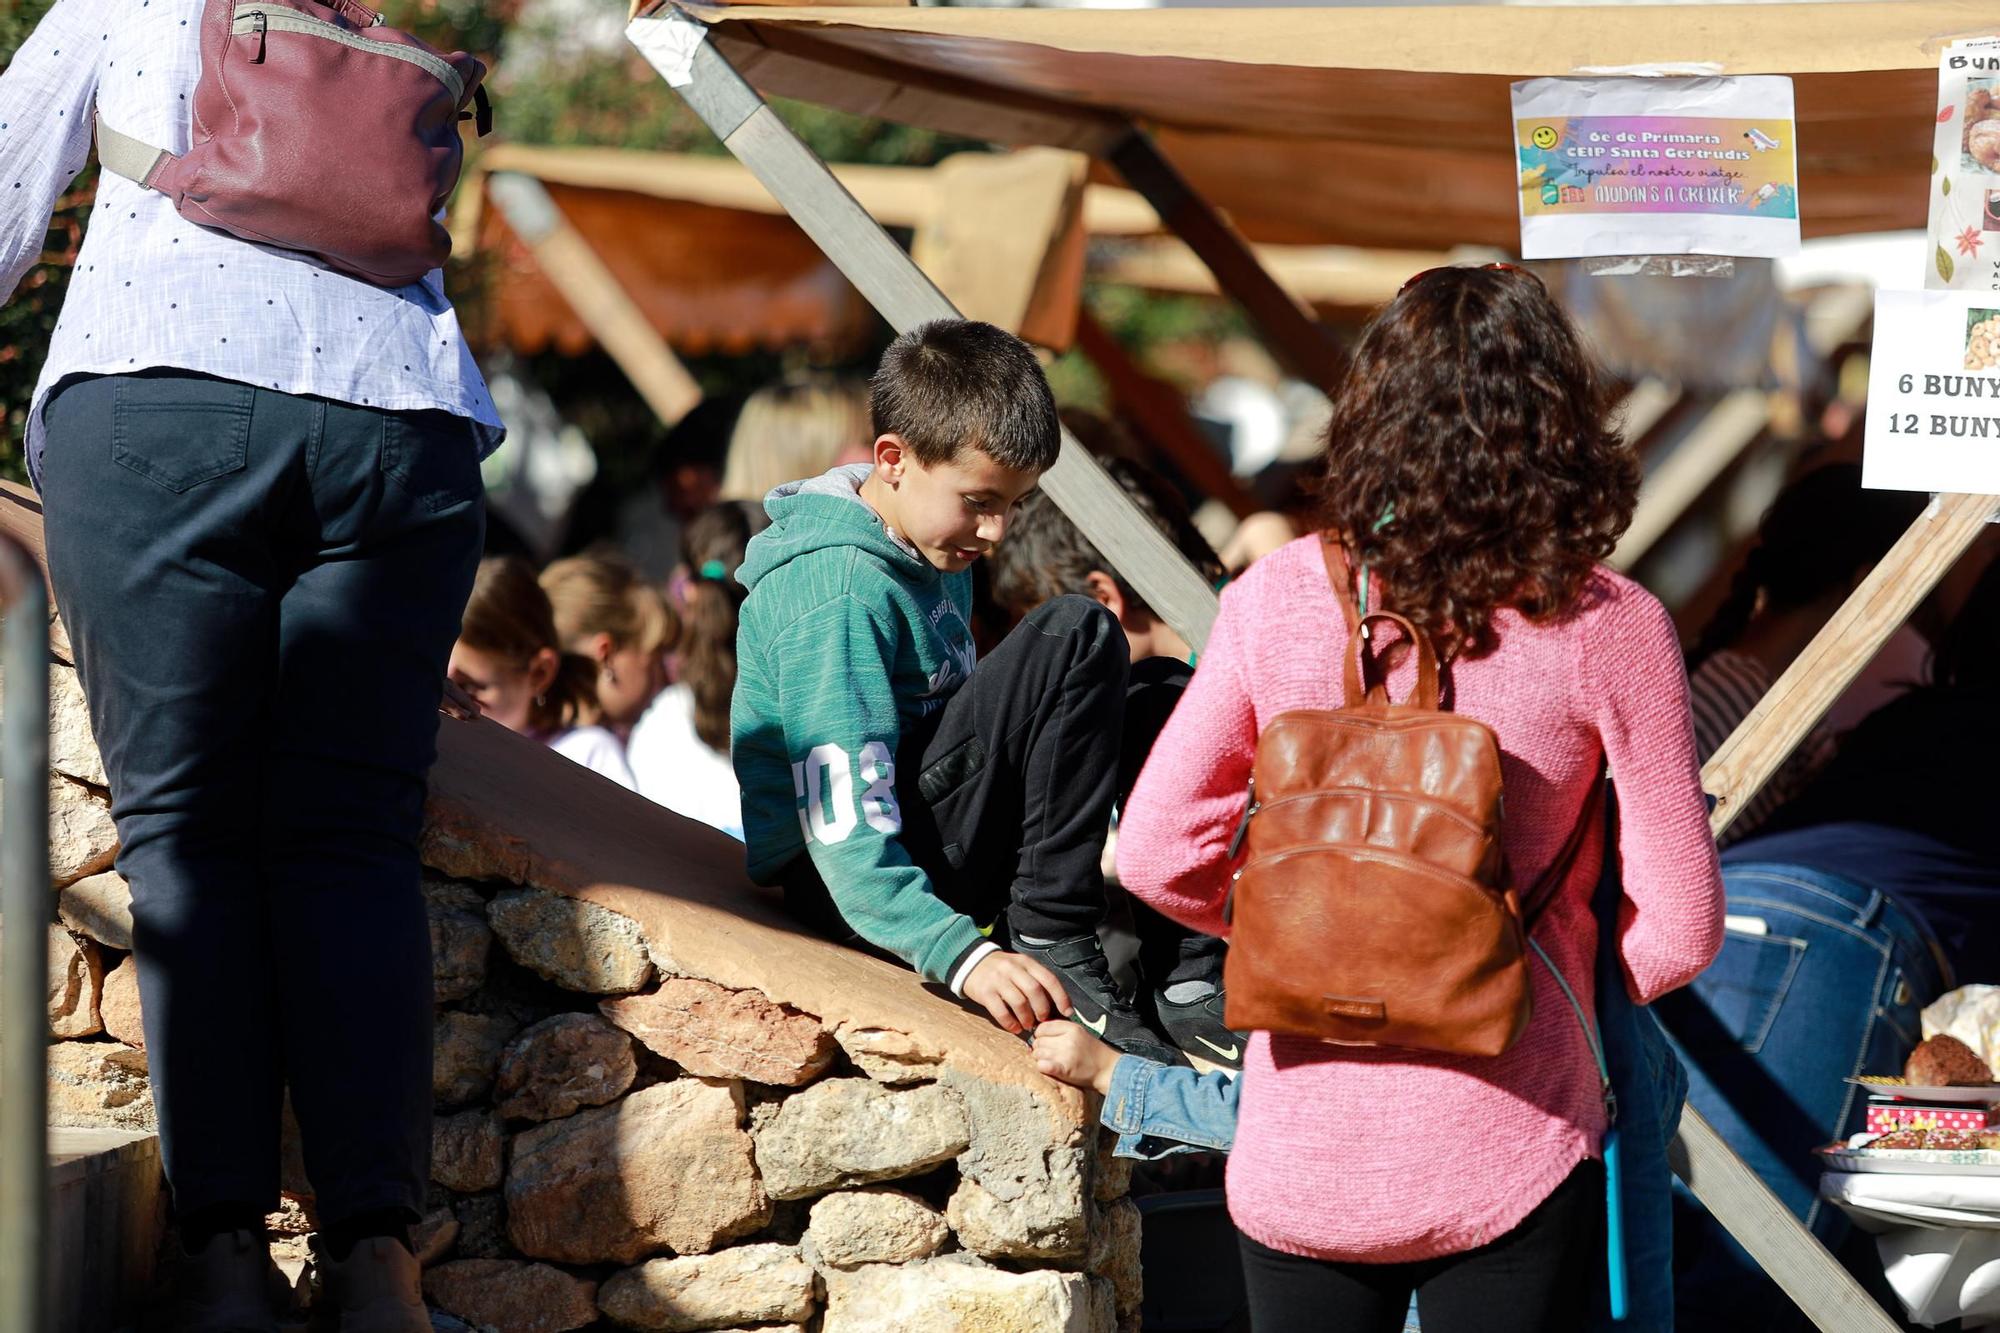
(951, 815)
(1047, 556)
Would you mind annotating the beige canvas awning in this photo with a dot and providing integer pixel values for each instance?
(1364, 126)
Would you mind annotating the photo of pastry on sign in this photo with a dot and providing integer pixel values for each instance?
(1934, 393)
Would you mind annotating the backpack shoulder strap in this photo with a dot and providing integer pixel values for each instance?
(1338, 575)
(122, 155)
(1546, 888)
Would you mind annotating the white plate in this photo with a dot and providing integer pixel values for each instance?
(1983, 1094)
(1911, 1161)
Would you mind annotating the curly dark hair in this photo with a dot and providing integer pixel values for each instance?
(1470, 463)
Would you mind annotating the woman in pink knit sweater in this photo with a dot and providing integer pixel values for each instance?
(1471, 471)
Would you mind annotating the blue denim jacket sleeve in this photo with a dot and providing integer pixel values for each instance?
(1158, 1110)
(1651, 1087)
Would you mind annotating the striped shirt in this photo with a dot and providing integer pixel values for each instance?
(1723, 690)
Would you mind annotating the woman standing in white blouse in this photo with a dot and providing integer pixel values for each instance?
(262, 510)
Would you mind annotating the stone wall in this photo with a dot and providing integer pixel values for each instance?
(658, 1107)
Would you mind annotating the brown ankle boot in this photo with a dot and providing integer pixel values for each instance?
(228, 1286)
(376, 1289)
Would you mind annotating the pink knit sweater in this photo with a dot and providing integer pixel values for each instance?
(1381, 1155)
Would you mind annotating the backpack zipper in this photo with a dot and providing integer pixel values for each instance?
(1250, 807)
(253, 19)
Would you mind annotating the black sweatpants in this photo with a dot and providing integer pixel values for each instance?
(1535, 1279)
(1014, 781)
(261, 590)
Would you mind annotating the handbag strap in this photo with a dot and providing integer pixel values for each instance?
(1545, 889)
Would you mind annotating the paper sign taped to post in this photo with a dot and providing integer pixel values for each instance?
(1964, 249)
(1637, 166)
(1934, 393)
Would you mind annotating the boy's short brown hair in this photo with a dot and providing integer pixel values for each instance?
(954, 384)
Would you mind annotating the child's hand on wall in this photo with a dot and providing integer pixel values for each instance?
(1017, 992)
(1068, 1052)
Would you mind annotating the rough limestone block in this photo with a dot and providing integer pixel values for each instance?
(578, 945)
(82, 838)
(460, 940)
(873, 1226)
(432, 1238)
(1044, 1223)
(1112, 1178)
(889, 1056)
(467, 1151)
(119, 1004)
(744, 1285)
(715, 1032)
(76, 985)
(72, 747)
(938, 1296)
(99, 906)
(512, 1297)
(852, 1131)
(563, 1064)
(1114, 1255)
(99, 1084)
(668, 1168)
(466, 1054)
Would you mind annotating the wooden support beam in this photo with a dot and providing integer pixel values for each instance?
(1162, 417)
(1298, 340)
(1690, 469)
(613, 318)
(1843, 646)
(1792, 1256)
(895, 286)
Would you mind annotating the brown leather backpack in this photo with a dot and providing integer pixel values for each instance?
(1373, 908)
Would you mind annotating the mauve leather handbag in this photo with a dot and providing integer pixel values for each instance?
(318, 128)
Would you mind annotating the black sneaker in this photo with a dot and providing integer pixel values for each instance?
(1097, 1002)
(1197, 1028)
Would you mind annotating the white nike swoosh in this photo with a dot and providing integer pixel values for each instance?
(1226, 1052)
(1098, 1026)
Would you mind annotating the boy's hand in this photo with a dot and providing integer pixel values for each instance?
(1018, 992)
(1067, 1052)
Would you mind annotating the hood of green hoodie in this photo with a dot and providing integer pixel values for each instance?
(824, 511)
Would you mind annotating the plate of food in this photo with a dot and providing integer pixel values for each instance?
(1942, 1071)
(1919, 1152)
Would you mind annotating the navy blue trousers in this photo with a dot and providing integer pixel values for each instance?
(261, 591)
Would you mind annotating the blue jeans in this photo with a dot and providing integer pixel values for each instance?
(1820, 978)
(261, 591)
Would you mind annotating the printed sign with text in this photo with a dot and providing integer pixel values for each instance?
(1934, 393)
(1633, 166)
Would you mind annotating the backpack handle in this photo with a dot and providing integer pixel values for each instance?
(1355, 661)
(1357, 657)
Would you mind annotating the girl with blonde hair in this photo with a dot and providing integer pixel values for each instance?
(608, 615)
(794, 429)
(509, 659)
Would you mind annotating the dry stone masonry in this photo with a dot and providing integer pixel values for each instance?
(623, 1142)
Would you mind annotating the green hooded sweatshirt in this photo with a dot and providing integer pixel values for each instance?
(847, 634)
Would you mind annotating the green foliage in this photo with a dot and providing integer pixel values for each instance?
(28, 317)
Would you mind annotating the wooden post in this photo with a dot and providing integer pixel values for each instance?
(1695, 462)
(1844, 645)
(895, 286)
(1163, 417)
(1793, 1257)
(1299, 341)
(612, 317)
